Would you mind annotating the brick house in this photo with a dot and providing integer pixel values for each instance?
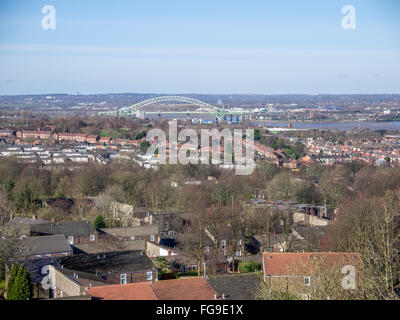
(92, 139)
(45, 247)
(77, 232)
(292, 271)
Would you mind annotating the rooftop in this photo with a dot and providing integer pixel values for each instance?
(177, 289)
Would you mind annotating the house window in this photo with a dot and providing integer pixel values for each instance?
(132, 238)
(38, 256)
(70, 239)
(223, 243)
(182, 269)
(48, 255)
(194, 267)
(92, 237)
(171, 233)
(152, 237)
(149, 276)
(123, 278)
(307, 281)
(240, 242)
(238, 253)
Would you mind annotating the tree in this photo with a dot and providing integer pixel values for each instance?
(11, 288)
(26, 198)
(99, 222)
(371, 228)
(21, 284)
(4, 209)
(144, 146)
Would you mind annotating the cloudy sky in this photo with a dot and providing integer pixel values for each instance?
(176, 46)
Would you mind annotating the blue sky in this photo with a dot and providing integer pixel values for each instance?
(176, 46)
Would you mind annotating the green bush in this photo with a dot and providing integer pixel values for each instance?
(249, 266)
(99, 222)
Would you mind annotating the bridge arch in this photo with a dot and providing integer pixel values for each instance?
(138, 106)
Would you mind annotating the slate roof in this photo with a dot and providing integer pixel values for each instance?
(70, 228)
(34, 267)
(236, 286)
(131, 231)
(45, 244)
(103, 263)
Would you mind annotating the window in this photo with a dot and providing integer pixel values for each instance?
(38, 256)
(123, 278)
(92, 237)
(240, 242)
(194, 267)
(48, 255)
(149, 276)
(307, 281)
(223, 243)
(238, 253)
(70, 240)
(171, 233)
(152, 237)
(132, 238)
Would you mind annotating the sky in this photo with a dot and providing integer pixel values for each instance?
(208, 46)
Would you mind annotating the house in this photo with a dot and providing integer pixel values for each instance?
(77, 232)
(119, 267)
(147, 233)
(20, 226)
(7, 133)
(294, 271)
(177, 289)
(45, 247)
(92, 139)
(105, 140)
(157, 250)
(227, 242)
(38, 270)
(78, 137)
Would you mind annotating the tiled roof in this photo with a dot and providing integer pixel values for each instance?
(180, 289)
(294, 263)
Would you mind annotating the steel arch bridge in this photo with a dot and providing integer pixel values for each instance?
(131, 110)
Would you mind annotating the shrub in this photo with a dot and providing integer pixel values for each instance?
(249, 266)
